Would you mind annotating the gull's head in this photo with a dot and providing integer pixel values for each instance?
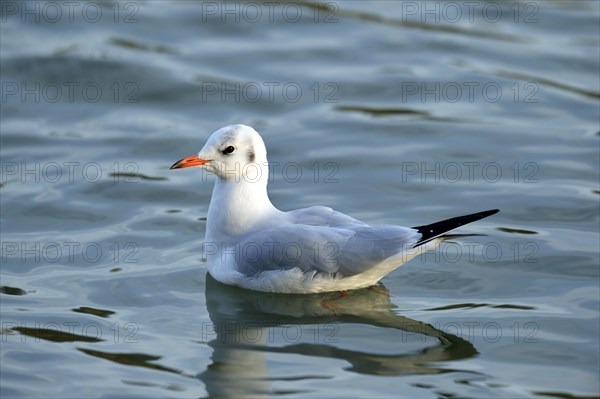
(232, 152)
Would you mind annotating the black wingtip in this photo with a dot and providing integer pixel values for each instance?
(431, 231)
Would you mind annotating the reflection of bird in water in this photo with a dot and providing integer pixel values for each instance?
(243, 320)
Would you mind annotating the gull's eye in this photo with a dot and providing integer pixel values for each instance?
(228, 150)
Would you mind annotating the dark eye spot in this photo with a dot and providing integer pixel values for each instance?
(251, 156)
(228, 150)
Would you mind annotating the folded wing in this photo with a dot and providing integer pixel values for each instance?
(339, 251)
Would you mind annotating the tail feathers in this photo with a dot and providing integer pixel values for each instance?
(434, 230)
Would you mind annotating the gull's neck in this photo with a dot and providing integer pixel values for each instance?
(238, 207)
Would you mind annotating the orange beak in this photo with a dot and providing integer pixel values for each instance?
(189, 161)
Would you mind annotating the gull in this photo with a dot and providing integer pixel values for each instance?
(251, 244)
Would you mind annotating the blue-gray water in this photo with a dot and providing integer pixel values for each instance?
(393, 112)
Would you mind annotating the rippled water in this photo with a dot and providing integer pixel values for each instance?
(393, 112)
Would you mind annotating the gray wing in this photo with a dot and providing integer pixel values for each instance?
(341, 251)
(323, 216)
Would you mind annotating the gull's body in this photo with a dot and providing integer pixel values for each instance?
(251, 244)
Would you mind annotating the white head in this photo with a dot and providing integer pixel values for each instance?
(233, 153)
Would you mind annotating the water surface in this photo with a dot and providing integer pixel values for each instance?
(377, 109)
